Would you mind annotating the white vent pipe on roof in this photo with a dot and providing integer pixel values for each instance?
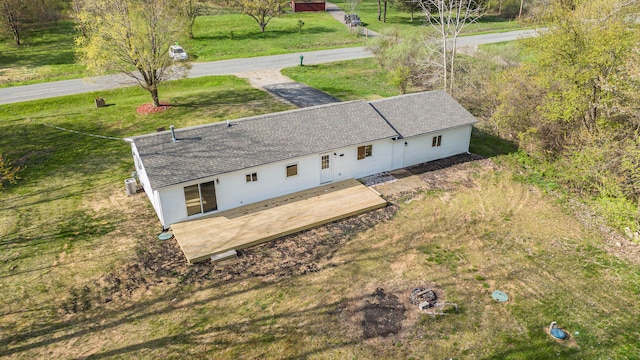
(173, 133)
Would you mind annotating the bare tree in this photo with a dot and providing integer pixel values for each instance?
(448, 19)
(262, 11)
(191, 9)
(13, 17)
(353, 5)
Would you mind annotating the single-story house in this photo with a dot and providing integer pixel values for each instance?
(203, 169)
(307, 5)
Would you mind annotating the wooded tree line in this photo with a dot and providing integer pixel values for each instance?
(574, 107)
(578, 103)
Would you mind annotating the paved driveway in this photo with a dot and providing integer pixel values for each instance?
(300, 95)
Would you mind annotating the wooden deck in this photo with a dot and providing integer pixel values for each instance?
(270, 219)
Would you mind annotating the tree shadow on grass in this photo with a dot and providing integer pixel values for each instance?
(269, 34)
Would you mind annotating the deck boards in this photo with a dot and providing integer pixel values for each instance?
(270, 219)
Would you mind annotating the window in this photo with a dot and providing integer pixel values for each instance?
(325, 162)
(292, 170)
(364, 151)
(252, 177)
(200, 198)
(436, 141)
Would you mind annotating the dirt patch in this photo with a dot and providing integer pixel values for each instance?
(444, 174)
(146, 109)
(382, 315)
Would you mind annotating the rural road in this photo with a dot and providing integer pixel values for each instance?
(223, 67)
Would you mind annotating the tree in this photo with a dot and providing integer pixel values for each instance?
(13, 16)
(76, 9)
(191, 9)
(583, 61)
(353, 5)
(410, 6)
(133, 37)
(262, 11)
(450, 18)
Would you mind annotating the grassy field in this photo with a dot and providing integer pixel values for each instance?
(67, 221)
(83, 275)
(232, 36)
(346, 80)
(49, 54)
(401, 21)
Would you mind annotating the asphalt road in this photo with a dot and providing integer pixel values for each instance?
(224, 67)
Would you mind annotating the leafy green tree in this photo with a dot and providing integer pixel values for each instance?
(133, 37)
(262, 11)
(583, 61)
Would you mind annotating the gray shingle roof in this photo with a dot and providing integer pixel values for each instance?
(423, 113)
(215, 149)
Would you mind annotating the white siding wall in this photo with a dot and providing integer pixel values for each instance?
(144, 181)
(346, 164)
(419, 149)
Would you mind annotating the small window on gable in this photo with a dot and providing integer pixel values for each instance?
(436, 141)
(292, 170)
(252, 177)
(365, 151)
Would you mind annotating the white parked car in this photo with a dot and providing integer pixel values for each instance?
(177, 53)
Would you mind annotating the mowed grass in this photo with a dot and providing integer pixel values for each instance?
(46, 55)
(67, 220)
(400, 21)
(346, 80)
(49, 54)
(492, 233)
(229, 36)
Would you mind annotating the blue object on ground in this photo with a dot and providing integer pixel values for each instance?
(558, 334)
(499, 296)
(165, 236)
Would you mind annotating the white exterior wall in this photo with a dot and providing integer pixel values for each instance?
(346, 164)
(144, 181)
(419, 149)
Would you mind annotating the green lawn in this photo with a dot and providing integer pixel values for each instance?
(52, 207)
(49, 54)
(232, 36)
(346, 80)
(401, 21)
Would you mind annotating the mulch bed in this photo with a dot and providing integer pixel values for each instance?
(146, 109)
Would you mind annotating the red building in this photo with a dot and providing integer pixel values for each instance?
(307, 5)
